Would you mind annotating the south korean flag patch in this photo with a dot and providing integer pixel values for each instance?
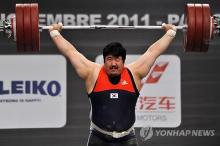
(113, 95)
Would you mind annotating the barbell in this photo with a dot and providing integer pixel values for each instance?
(199, 27)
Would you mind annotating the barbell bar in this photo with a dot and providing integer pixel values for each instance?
(199, 28)
(111, 27)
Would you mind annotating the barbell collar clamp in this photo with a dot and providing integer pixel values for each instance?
(5, 27)
(216, 26)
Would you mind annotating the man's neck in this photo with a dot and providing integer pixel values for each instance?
(114, 79)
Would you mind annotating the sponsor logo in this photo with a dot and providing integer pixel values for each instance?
(124, 82)
(52, 88)
(157, 72)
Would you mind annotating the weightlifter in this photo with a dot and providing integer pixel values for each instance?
(113, 88)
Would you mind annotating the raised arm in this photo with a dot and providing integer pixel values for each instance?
(84, 67)
(142, 65)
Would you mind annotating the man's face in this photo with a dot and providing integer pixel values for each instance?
(113, 65)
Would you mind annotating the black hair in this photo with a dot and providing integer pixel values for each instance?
(115, 49)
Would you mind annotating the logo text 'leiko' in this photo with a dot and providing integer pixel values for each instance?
(52, 88)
